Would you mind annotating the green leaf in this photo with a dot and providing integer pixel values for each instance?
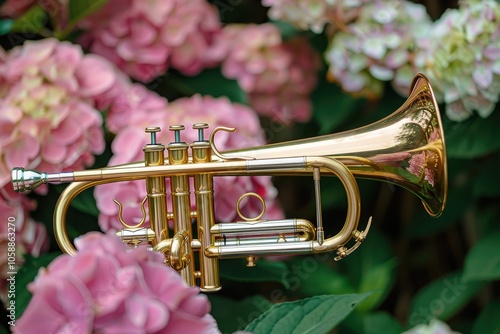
(232, 315)
(331, 106)
(286, 29)
(3, 330)
(6, 26)
(472, 138)
(317, 314)
(442, 298)
(84, 202)
(483, 259)
(311, 276)
(380, 279)
(458, 202)
(486, 183)
(208, 82)
(380, 322)
(488, 320)
(26, 275)
(487, 219)
(371, 267)
(423, 225)
(333, 193)
(264, 271)
(377, 322)
(32, 22)
(78, 9)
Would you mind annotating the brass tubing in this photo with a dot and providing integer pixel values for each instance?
(292, 226)
(276, 248)
(320, 233)
(136, 236)
(238, 241)
(61, 210)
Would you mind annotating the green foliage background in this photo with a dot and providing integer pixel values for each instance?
(410, 269)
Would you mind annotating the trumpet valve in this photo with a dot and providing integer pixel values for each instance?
(136, 236)
(152, 131)
(200, 127)
(176, 129)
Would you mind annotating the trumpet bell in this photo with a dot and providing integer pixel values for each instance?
(406, 148)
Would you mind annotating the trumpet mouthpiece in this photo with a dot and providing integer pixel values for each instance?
(24, 180)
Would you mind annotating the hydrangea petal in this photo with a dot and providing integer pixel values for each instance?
(94, 76)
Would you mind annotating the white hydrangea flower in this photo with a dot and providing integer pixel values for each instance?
(435, 326)
(314, 15)
(462, 58)
(376, 46)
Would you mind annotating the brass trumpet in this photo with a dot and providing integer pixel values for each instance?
(406, 148)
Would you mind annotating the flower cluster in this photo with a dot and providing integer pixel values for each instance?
(461, 57)
(15, 8)
(145, 38)
(18, 232)
(434, 326)
(314, 14)
(48, 117)
(105, 289)
(379, 41)
(129, 141)
(126, 101)
(373, 48)
(278, 76)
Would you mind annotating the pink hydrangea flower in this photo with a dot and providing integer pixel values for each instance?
(15, 8)
(17, 228)
(48, 118)
(277, 76)
(128, 143)
(106, 289)
(56, 10)
(144, 39)
(292, 101)
(124, 100)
